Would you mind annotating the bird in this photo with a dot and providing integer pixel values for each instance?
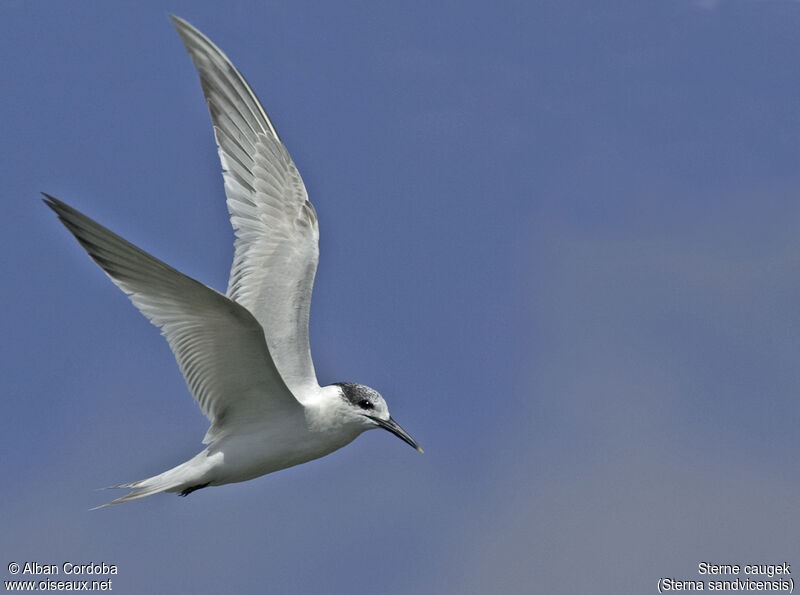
(244, 354)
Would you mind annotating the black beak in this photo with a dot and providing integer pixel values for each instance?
(395, 429)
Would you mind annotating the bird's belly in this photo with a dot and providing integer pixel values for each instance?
(251, 455)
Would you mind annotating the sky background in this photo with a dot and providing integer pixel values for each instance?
(562, 238)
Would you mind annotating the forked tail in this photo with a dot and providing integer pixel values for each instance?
(185, 478)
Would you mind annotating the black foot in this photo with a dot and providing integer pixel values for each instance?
(191, 489)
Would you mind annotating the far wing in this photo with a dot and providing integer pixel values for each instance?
(219, 346)
(276, 246)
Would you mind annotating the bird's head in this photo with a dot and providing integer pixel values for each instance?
(365, 406)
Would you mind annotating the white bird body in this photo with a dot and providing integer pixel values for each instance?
(245, 355)
(269, 445)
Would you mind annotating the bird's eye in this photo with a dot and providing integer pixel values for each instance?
(365, 404)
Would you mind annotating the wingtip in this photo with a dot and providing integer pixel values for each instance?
(182, 26)
(51, 201)
(176, 21)
(59, 207)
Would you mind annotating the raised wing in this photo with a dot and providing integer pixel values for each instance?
(276, 246)
(219, 346)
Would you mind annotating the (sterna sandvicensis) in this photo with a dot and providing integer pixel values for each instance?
(245, 354)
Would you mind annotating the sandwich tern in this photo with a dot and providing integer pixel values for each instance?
(244, 355)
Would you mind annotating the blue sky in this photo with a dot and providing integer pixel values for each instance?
(561, 238)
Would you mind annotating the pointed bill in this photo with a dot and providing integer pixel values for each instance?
(393, 427)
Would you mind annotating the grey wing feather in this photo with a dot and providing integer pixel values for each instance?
(276, 246)
(219, 346)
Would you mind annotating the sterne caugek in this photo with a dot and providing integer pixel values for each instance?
(245, 355)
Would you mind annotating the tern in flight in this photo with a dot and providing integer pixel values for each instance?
(245, 355)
